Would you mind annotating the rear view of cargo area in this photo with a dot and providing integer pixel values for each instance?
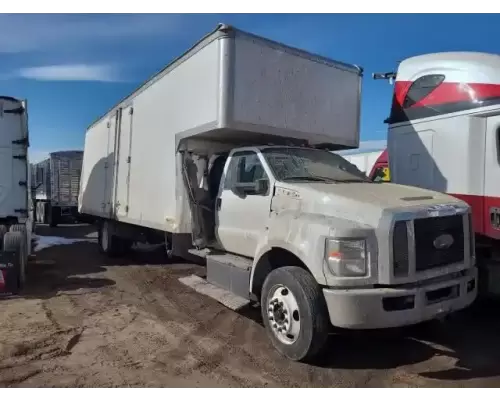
(231, 89)
(56, 184)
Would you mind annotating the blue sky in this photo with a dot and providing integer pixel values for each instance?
(72, 68)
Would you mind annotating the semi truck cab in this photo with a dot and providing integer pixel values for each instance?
(443, 135)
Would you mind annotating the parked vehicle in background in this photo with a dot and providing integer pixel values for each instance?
(372, 163)
(57, 183)
(212, 157)
(15, 222)
(444, 135)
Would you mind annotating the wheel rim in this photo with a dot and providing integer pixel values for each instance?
(104, 237)
(283, 314)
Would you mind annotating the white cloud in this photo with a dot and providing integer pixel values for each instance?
(71, 72)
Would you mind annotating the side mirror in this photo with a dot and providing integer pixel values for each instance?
(244, 188)
(258, 187)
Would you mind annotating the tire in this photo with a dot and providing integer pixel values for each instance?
(3, 231)
(109, 244)
(306, 319)
(16, 242)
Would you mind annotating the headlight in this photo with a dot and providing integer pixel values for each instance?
(346, 257)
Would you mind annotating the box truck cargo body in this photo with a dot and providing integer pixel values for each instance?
(225, 87)
(57, 184)
(228, 154)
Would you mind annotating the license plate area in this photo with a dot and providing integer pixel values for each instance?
(442, 294)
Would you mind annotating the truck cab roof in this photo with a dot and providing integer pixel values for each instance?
(435, 84)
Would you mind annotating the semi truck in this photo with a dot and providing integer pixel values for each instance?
(57, 183)
(444, 135)
(226, 154)
(16, 224)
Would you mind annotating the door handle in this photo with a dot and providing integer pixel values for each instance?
(218, 203)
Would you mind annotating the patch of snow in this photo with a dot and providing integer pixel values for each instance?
(43, 242)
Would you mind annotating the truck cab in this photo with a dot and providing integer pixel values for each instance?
(305, 233)
(443, 135)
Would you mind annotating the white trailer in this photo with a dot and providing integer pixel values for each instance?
(16, 224)
(227, 154)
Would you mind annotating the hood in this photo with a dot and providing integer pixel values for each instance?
(364, 202)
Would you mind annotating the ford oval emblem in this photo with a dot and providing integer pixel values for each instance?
(443, 241)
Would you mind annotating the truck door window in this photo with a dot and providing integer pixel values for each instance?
(244, 167)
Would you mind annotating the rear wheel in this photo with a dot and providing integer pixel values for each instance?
(111, 244)
(3, 231)
(295, 313)
(16, 242)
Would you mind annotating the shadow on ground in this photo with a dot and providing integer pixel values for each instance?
(471, 337)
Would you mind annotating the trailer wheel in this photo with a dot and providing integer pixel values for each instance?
(295, 313)
(110, 244)
(3, 231)
(16, 242)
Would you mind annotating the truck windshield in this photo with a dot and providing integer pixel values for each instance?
(289, 164)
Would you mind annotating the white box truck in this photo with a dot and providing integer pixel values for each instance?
(227, 153)
(16, 223)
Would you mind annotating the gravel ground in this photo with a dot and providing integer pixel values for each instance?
(87, 321)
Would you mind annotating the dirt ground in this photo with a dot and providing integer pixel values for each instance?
(84, 321)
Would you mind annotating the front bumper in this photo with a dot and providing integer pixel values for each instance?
(396, 307)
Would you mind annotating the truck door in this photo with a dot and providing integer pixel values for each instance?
(242, 217)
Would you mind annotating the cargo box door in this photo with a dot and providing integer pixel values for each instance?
(123, 163)
(109, 166)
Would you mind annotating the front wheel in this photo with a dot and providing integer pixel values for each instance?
(295, 313)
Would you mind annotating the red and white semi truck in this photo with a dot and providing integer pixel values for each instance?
(444, 135)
